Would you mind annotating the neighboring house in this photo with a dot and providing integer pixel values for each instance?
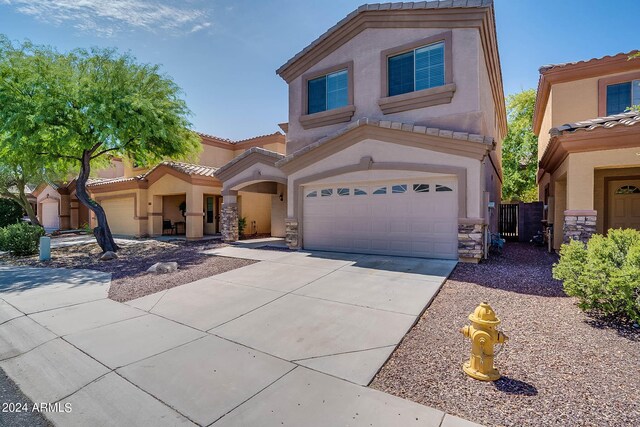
(170, 197)
(588, 146)
(396, 117)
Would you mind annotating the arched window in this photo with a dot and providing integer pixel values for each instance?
(628, 189)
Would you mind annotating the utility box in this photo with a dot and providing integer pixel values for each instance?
(45, 248)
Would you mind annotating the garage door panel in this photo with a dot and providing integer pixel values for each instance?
(405, 223)
(120, 214)
(50, 218)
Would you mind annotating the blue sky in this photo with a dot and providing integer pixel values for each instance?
(224, 53)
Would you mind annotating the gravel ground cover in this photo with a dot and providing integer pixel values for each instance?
(11, 395)
(129, 277)
(560, 366)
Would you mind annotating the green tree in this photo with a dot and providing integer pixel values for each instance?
(520, 149)
(87, 105)
(18, 167)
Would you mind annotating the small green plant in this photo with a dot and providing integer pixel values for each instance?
(21, 238)
(242, 224)
(604, 274)
(86, 228)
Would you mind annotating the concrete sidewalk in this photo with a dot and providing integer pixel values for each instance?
(291, 340)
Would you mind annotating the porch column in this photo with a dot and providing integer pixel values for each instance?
(579, 216)
(229, 220)
(194, 214)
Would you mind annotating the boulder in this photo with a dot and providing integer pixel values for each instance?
(163, 267)
(108, 256)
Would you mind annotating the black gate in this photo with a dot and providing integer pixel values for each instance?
(509, 221)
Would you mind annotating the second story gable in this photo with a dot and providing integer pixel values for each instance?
(582, 91)
(433, 64)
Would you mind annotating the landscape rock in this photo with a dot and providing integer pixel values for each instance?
(108, 256)
(163, 267)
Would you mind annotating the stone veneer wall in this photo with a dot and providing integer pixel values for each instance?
(229, 222)
(291, 233)
(579, 226)
(470, 242)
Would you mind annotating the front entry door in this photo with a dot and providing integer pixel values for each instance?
(209, 215)
(624, 204)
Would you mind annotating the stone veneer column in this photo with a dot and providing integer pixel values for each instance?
(470, 240)
(229, 213)
(579, 225)
(291, 233)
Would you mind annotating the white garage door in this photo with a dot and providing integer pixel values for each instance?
(417, 217)
(49, 215)
(120, 215)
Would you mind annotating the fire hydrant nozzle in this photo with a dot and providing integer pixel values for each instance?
(484, 336)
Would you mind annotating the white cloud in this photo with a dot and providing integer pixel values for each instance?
(108, 17)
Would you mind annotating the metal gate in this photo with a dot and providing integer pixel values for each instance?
(509, 221)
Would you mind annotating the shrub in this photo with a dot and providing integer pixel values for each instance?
(21, 238)
(10, 212)
(605, 274)
(242, 224)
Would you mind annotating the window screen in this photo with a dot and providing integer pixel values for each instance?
(618, 98)
(328, 92)
(422, 68)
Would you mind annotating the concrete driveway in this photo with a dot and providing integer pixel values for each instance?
(291, 340)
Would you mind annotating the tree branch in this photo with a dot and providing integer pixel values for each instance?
(113, 149)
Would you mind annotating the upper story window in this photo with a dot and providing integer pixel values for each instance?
(417, 74)
(328, 92)
(418, 69)
(621, 96)
(327, 96)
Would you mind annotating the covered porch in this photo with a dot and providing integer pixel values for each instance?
(255, 191)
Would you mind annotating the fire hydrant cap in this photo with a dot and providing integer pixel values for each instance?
(484, 315)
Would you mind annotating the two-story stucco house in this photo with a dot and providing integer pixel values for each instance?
(396, 115)
(589, 146)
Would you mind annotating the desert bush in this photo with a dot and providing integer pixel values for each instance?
(10, 212)
(21, 238)
(604, 274)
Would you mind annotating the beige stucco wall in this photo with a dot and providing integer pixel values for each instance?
(388, 152)
(215, 156)
(570, 102)
(255, 207)
(114, 170)
(278, 211)
(464, 113)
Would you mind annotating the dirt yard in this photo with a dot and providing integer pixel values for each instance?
(560, 367)
(129, 275)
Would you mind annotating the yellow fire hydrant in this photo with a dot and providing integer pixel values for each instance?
(484, 336)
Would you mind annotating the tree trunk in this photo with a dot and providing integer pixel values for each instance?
(101, 232)
(24, 202)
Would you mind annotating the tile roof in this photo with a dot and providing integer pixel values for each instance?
(94, 182)
(276, 156)
(239, 141)
(185, 168)
(550, 67)
(443, 4)
(629, 118)
(406, 127)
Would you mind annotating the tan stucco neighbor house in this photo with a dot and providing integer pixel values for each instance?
(396, 117)
(171, 197)
(589, 146)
